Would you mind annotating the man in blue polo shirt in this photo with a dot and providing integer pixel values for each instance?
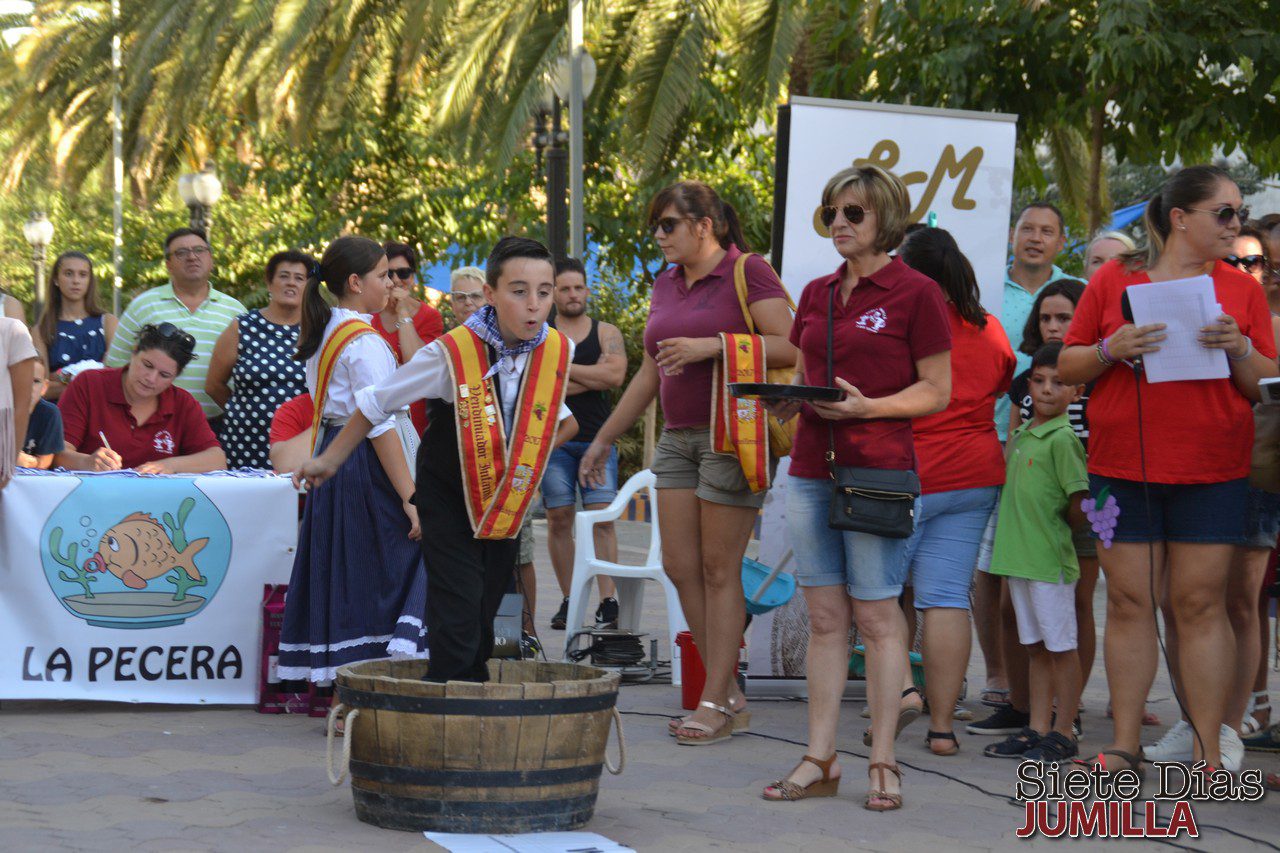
(1038, 237)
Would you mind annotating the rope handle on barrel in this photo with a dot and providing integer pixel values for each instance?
(330, 729)
(622, 747)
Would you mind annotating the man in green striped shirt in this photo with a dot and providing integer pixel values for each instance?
(188, 302)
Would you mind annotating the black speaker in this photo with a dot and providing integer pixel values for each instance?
(507, 626)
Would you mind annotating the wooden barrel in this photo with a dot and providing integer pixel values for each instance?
(521, 753)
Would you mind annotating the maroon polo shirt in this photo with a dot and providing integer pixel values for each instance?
(703, 310)
(893, 318)
(94, 402)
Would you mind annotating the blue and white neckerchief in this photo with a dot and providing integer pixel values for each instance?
(485, 324)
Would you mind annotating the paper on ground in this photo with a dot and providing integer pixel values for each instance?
(1185, 306)
(527, 842)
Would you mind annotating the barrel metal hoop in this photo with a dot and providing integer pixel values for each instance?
(460, 707)
(452, 810)
(473, 778)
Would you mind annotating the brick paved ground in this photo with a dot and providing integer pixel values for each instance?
(86, 777)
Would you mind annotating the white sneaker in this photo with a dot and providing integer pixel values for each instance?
(1176, 745)
(1231, 748)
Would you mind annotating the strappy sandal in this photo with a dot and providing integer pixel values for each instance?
(741, 719)
(931, 736)
(707, 734)
(1132, 762)
(1258, 701)
(788, 790)
(1001, 695)
(906, 716)
(895, 800)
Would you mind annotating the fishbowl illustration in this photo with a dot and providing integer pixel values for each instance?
(135, 553)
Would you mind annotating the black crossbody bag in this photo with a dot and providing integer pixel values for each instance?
(878, 501)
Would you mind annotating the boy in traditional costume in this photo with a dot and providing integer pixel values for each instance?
(496, 388)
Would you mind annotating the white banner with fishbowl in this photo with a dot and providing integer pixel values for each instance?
(139, 589)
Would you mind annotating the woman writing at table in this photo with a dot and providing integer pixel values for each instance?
(133, 417)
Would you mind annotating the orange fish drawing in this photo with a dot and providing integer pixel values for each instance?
(138, 549)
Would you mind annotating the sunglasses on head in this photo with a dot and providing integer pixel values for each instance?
(169, 332)
(853, 213)
(668, 223)
(402, 273)
(1248, 263)
(1225, 214)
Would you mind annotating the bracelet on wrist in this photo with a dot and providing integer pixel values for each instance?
(1248, 351)
(1103, 356)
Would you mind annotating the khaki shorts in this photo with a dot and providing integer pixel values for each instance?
(683, 459)
(526, 541)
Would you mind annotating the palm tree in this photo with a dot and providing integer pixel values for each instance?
(198, 73)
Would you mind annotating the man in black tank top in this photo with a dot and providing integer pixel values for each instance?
(599, 366)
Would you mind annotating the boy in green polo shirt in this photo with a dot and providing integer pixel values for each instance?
(1045, 481)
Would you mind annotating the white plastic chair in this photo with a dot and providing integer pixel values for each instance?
(630, 579)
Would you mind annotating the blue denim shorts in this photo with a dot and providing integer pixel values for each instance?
(1262, 524)
(1180, 512)
(873, 568)
(943, 552)
(560, 485)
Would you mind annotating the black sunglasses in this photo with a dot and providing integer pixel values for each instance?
(668, 223)
(854, 213)
(1248, 263)
(402, 273)
(169, 332)
(1224, 214)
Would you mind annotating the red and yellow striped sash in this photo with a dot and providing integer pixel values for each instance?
(347, 331)
(499, 480)
(738, 425)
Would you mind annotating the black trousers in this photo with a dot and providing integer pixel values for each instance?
(466, 579)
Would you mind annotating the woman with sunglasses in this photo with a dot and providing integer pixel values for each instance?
(466, 293)
(878, 330)
(1180, 476)
(134, 417)
(706, 509)
(407, 324)
(256, 353)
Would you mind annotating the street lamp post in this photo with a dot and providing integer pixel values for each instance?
(39, 233)
(551, 141)
(572, 79)
(200, 192)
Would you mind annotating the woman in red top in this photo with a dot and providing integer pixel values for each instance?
(406, 324)
(133, 417)
(706, 509)
(961, 471)
(892, 358)
(1190, 441)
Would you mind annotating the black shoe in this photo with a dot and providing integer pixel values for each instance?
(607, 615)
(1053, 748)
(1014, 746)
(562, 615)
(1004, 721)
(530, 648)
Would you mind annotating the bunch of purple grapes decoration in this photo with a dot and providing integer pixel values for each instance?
(1102, 514)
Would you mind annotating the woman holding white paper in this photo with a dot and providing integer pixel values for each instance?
(1189, 442)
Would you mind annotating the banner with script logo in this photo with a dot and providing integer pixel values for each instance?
(139, 589)
(957, 164)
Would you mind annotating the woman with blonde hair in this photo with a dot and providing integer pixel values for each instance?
(878, 330)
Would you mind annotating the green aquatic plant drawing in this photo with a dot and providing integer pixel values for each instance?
(79, 574)
(183, 583)
(177, 530)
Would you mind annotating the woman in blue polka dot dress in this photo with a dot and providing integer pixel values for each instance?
(252, 371)
(72, 328)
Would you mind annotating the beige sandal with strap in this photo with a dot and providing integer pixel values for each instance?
(704, 734)
(788, 790)
(895, 800)
(741, 718)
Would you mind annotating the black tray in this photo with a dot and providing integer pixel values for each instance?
(777, 391)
